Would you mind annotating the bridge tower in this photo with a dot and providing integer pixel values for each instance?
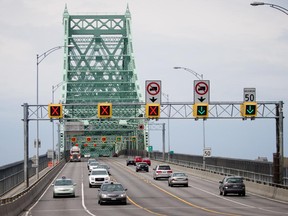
(100, 68)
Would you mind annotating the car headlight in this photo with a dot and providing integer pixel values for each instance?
(123, 195)
(103, 195)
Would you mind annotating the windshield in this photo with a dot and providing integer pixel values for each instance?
(112, 187)
(99, 172)
(63, 182)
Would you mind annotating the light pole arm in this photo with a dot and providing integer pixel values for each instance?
(277, 7)
(199, 76)
(41, 57)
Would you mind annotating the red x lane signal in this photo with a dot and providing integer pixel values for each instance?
(152, 110)
(104, 110)
(55, 111)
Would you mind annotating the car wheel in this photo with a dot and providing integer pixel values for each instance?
(244, 193)
(90, 186)
(186, 185)
(224, 193)
(221, 193)
(156, 178)
(54, 196)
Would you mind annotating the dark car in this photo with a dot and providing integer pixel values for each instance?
(232, 185)
(142, 166)
(112, 193)
(130, 161)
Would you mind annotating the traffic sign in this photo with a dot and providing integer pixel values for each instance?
(55, 111)
(152, 110)
(150, 148)
(249, 95)
(207, 152)
(200, 110)
(104, 110)
(249, 109)
(153, 91)
(201, 91)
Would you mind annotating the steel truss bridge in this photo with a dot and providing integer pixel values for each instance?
(99, 66)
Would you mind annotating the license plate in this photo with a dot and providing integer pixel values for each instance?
(113, 198)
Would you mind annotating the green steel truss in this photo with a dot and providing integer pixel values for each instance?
(100, 67)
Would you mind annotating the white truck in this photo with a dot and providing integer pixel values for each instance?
(75, 154)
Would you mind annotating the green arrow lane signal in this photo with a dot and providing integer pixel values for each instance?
(249, 109)
(200, 110)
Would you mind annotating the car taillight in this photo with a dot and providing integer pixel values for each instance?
(169, 171)
(158, 171)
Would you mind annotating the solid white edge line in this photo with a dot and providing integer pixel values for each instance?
(44, 192)
(83, 202)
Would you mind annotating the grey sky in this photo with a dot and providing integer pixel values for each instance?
(233, 44)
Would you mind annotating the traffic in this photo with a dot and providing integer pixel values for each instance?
(165, 189)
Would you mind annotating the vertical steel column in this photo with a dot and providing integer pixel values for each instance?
(163, 140)
(281, 148)
(26, 144)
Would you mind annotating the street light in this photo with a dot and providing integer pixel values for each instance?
(200, 77)
(167, 98)
(54, 88)
(279, 148)
(277, 7)
(39, 59)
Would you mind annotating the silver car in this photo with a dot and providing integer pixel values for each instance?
(63, 187)
(178, 178)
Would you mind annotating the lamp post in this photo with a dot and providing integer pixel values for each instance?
(277, 7)
(200, 77)
(54, 88)
(167, 98)
(39, 59)
(279, 156)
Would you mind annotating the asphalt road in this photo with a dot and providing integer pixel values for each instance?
(147, 196)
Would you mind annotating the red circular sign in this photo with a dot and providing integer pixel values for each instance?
(153, 88)
(201, 88)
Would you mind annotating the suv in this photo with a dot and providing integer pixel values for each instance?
(232, 184)
(162, 171)
(98, 176)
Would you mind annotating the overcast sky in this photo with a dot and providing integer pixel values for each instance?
(233, 44)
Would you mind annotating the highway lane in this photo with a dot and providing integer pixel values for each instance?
(150, 197)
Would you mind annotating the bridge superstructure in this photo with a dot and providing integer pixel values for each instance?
(100, 67)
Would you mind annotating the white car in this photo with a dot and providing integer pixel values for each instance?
(63, 187)
(98, 176)
(93, 165)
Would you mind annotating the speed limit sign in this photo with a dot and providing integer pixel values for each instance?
(207, 152)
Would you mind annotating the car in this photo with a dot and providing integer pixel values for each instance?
(147, 160)
(90, 160)
(130, 161)
(63, 187)
(98, 176)
(232, 185)
(142, 166)
(178, 178)
(137, 159)
(93, 165)
(112, 192)
(162, 171)
(105, 166)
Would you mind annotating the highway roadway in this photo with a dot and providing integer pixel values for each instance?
(147, 196)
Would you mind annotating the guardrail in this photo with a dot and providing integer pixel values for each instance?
(12, 175)
(263, 178)
(16, 204)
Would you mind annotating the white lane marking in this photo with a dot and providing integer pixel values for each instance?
(43, 193)
(83, 200)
